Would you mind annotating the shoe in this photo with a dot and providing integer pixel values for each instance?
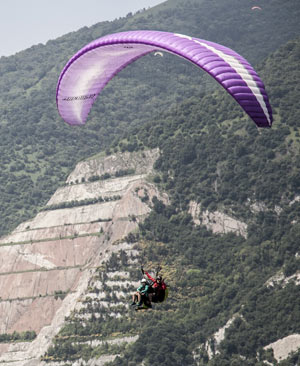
(134, 303)
(139, 304)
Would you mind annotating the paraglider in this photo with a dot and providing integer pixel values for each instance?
(92, 67)
(151, 290)
(158, 54)
(256, 8)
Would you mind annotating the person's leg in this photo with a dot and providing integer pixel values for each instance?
(134, 298)
(139, 297)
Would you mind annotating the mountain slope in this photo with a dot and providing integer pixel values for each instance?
(47, 263)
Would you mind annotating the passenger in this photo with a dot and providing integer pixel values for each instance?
(141, 293)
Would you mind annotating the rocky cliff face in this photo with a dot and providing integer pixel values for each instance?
(47, 264)
(218, 222)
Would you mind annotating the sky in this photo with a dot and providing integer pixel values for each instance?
(24, 23)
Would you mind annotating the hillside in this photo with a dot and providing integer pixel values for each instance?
(38, 150)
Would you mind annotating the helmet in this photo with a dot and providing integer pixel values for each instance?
(159, 278)
(143, 280)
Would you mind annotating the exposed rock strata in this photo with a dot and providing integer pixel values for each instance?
(285, 346)
(57, 252)
(140, 162)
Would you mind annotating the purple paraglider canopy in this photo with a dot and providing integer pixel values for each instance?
(92, 67)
